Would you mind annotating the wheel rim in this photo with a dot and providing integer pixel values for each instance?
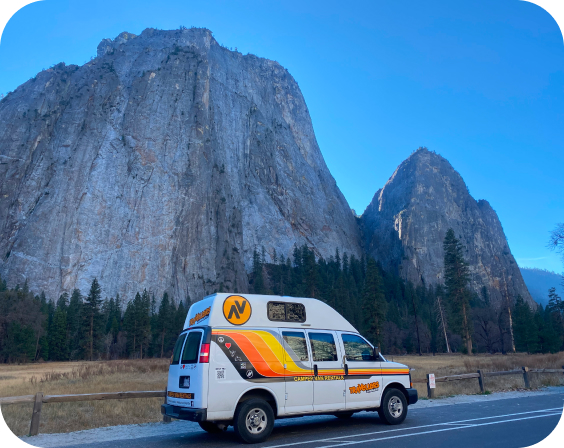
(256, 421)
(395, 406)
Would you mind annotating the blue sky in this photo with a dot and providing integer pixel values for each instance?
(480, 82)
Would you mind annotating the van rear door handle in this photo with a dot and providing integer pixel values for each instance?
(346, 369)
(315, 370)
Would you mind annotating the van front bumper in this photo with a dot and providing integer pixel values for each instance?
(411, 396)
(194, 415)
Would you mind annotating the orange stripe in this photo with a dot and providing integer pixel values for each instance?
(253, 355)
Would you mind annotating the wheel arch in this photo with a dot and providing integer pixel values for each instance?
(399, 386)
(260, 393)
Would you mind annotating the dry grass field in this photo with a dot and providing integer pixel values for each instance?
(79, 378)
(151, 374)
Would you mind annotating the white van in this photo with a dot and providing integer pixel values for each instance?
(246, 360)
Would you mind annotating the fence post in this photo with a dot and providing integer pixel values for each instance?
(481, 381)
(526, 377)
(430, 390)
(166, 418)
(36, 416)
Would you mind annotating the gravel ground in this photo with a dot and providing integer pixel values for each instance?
(183, 427)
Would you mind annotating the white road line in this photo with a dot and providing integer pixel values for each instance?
(438, 430)
(412, 427)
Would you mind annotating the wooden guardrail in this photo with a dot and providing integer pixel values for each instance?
(38, 399)
(480, 375)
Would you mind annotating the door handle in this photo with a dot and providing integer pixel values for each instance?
(346, 369)
(315, 370)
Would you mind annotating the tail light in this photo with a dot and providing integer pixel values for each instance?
(205, 353)
(410, 382)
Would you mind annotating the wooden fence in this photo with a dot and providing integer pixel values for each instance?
(38, 399)
(480, 375)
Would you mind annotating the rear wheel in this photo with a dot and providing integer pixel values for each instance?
(210, 427)
(254, 420)
(344, 415)
(393, 408)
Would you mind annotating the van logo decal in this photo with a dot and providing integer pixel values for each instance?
(220, 339)
(249, 373)
(237, 310)
(228, 345)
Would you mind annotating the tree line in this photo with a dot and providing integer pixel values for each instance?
(84, 327)
(394, 314)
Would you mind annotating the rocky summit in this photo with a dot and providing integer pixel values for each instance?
(163, 163)
(405, 224)
(168, 160)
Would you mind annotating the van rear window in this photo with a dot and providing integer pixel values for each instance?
(286, 312)
(192, 348)
(178, 349)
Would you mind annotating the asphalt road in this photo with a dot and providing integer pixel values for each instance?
(517, 422)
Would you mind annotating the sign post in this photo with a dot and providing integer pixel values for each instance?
(431, 385)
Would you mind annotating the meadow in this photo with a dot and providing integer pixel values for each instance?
(151, 374)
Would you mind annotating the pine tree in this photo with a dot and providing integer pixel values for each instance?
(373, 303)
(74, 324)
(258, 285)
(58, 347)
(92, 320)
(456, 281)
(525, 327)
(144, 321)
(164, 322)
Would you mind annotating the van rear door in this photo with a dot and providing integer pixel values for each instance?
(188, 372)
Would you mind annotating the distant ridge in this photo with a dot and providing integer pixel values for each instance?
(539, 281)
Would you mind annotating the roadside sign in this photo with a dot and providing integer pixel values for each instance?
(432, 380)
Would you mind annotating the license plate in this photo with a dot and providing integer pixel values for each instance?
(184, 382)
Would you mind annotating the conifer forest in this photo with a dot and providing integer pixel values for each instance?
(395, 315)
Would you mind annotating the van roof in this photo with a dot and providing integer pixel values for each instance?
(251, 310)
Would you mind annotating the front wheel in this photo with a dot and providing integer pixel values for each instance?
(393, 408)
(254, 420)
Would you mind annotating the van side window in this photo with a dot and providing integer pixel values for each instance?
(357, 349)
(286, 312)
(178, 348)
(297, 342)
(323, 347)
(191, 348)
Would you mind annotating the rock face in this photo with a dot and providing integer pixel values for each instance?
(405, 224)
(162, 163)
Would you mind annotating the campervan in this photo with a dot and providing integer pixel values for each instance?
(246, 360)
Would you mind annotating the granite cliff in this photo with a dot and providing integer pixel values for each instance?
(405, 224)
(162, 163)
(167, 160)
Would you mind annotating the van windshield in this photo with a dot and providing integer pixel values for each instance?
(178, 349)
(191, 348)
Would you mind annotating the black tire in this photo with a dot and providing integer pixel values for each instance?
(210, 427)
(344, 415)
(393, 408)
(254, 420)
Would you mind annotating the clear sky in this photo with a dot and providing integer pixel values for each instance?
(480, 82)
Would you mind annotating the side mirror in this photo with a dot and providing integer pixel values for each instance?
(376, 354)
